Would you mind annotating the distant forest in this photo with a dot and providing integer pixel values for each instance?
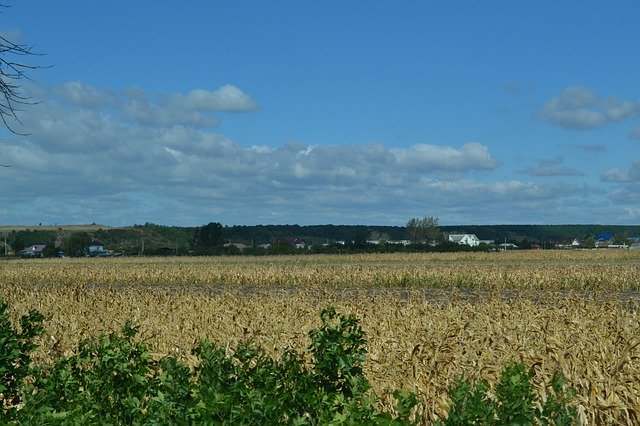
(158, 239)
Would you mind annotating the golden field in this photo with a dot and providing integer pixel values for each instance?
(429, 318)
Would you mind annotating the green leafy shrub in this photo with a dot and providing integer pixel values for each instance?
(247, 387)
(171, 395)
(338, 349)
(108, 381)
(515, 402)
(556, 409)
(16, 346)
(469, 404)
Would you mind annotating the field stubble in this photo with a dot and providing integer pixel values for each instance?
(428, 318)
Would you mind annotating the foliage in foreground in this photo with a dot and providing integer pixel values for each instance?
(113, 380)
(514, 403)
(16, 346)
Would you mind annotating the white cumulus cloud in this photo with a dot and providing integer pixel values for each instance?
(425, 157)
(227, 98)
(195, 108)
(580, 108)
(81, 94)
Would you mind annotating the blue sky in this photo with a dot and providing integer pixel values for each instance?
(310, 112)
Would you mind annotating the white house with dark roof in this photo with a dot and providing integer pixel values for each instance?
(567, 243)
(465, 239)
(95, 249)
(33, 251)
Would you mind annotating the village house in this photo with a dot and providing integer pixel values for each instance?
(604, 239)
(567, 243)
(95, 249)
(239, 246)
(465, 239)
(33, 251)
(294, 241)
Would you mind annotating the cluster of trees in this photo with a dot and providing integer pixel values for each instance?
(208, 239)
(425, 230)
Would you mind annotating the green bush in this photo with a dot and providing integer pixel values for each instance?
(16, 346)
(108, 381)
(515, 402)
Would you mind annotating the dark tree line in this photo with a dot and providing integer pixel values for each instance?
(152, 239)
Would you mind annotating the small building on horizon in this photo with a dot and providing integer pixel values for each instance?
(294, 241)
(96, 249)
(567, 243)
(464, 239)
(604, 239)
(33, 251)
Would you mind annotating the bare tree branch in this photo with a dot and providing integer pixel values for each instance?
(11, 72)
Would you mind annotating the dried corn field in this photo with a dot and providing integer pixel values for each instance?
(429, 318)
